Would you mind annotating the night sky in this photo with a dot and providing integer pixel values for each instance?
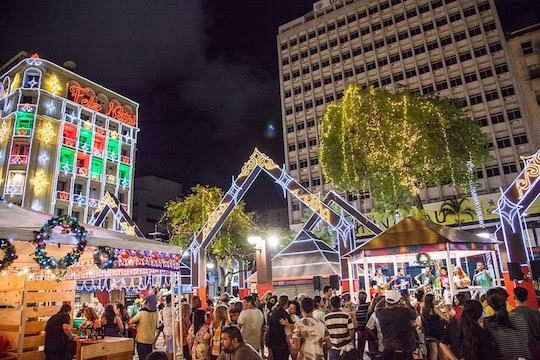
(205, 73)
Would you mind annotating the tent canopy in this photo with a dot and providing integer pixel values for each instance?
(305, 257)
(17, 223)
(413, 232)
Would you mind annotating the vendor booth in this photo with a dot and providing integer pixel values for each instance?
(48, 262)
(403, 242)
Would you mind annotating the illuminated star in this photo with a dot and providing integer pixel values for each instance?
(43, 158)
(32, 83)
(50, 107)
(36, 205)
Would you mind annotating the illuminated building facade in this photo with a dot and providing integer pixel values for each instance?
(453, 48)
(64, 140)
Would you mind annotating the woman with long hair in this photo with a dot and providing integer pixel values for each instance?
(186, 324)
(465, 339)
(200, 333)
(91, 320)
(432, 321)
(459, 301)
(220, 321)
(509, 331)
(122, 312)
(111, 322)
(460, 278)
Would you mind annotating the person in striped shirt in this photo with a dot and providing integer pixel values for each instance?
(340, 327)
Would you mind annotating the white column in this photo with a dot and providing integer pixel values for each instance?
(496, 268)
(366, 274)
(450, 267)
(395, 265)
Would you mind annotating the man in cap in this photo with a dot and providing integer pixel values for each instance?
(396, 321)
(134, 309)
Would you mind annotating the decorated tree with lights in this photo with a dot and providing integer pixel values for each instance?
(185, 216)
(397, 143)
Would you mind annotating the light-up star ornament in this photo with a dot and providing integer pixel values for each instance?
(3, 131)
(53, 84)
(32, 83)
(39, 181)
(47, 132)
(43, 158)
(50, 107)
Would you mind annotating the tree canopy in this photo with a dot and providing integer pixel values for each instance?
(397, 143)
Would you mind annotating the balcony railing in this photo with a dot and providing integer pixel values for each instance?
(82, 171)
(66, 168)
(111, 179)
(80, 200)
(97, 153)
(69, 141)
(111, 155)
(62, 195)
(125, 159)
(124, 182)
(23, 131)
(93, 202)
(13, 190)
(18, 159)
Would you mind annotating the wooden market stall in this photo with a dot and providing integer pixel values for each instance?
(33, 287)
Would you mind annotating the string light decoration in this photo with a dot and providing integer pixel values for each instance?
(16, 82)
(47, 132)
(69, 225)
(40, 181)
(104, 257)
(4, 130)
(9, 253)
(53, 84)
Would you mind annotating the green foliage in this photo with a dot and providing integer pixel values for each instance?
(397, 143)
(185, 216)
(457, 208)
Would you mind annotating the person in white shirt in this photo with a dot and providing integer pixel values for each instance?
(251, 322)
(98, 307)
(319, 311)
(167, 325)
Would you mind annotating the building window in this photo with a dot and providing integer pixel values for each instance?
(300, 126)
(432, 45)
(319, 101)
(479, 174)
(403, 35)
(480, 51)
(474, 31)
(534, 71)
(331, 26)
(470, 77)
(376, 26)
(286, 77)
(346, 56)
(441, 85)
(296, 207)
(495, 47)
(503, 142)
(323, 46)
(287, 94)
(349, 73)
(475, 99)
(456, 81)
(359, 69)
(469, 11)
(362, 14)
(411, 13)
(441, 21)
(290, 129)
(446, 41)
(338, 77)
(507, 91)
(492, 95)
(317, 83)
(497, 118)
(314, 161)
(483, 7)
(527, 48)
(316, 182)
(307, 87)
(299, 108)
(465, 56)
(297, 90)
(295, 74)
(293, 166)
(335, 59)
(537, 94)
(303, 54)
(315, 67)
(490, 26)
(371, 65)
(354, 35)
(509, 168)
(416, 31)
(303, 164)
(454, 17)
(382, 62)
(368, 48)
(423, 8)
(288, 111)
(520, 139)
(513, 114)
(410, 73)
(284, 46)
(485, 73)
(292, 147)
(294, 58)
(333, 43)
(501, 68)
(379, 44)
(327, 80)
(341, 22)
(357, 51)
(285, 62)
(450, 61)
(394, 58)
(422, 69)
(419, 49)
(428, 26)
(436, 65)
(388, 22)
(351, 18)
(397, 77)
(492, 171)
(399, 18)
(325, 63)
(428, 89)
(406, 54)
(312, 142)
(311, 35)
(481, 121)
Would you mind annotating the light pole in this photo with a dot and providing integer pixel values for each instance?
(263, 261)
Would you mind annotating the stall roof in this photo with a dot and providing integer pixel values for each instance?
(18, 223)
(305, 257)
(417, 232)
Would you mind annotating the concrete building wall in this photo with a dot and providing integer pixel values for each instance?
(151, 195)
(453, 48)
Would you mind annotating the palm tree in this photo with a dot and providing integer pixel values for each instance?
(456, 207)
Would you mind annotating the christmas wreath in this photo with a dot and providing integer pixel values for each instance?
(423, 260)
(9, 253)
(104, 257)
(69, 225)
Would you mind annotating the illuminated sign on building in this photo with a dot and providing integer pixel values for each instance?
(84, 97)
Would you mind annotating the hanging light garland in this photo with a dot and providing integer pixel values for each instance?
(104, 257)
(69, 225)
(9, 253)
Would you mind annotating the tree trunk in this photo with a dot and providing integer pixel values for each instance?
(418, 202)
(221, 279)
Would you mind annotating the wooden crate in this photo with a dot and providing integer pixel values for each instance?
(25, 307)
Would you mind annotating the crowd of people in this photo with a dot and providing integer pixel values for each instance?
(394, 325)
